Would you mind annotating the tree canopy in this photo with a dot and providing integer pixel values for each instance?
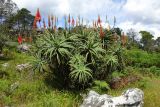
(22, 21)
(7, 7)
(146, 40)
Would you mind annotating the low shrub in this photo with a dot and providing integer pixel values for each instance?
(100, 86)
(141, 58)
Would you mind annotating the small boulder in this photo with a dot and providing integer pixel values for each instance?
(5, 65)
(24, 47)
(1, 55)
(14, 86)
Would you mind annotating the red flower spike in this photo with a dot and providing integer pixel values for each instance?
(49, 21)
(20, 39)
(99, 20)
(38, 15)
(69, 19)
(73, 22)
(101, 32)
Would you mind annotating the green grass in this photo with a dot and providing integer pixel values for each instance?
(33, 92)
(152, 94)
(140, 58)
(151, 91)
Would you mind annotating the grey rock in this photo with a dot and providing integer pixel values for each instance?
(5, 65)
(1, 55)
(14, 86)
(22, 67)
(129, 98)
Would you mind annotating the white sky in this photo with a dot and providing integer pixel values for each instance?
(136, 14)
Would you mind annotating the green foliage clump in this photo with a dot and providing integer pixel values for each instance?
(117, 74)
(100, 86)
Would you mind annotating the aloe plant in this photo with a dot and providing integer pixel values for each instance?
(111, 61)
(79, 70)
(56, 48)
(75, 57)
(91, 50)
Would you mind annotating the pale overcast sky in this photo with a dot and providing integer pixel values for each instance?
(136, 14)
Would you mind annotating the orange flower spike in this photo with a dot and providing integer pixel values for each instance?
(30, 39)
(69, 19)
(49, 21)
(99, 20)
(35, 23)
(73, 22)
(52, 20)
(101, 32)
